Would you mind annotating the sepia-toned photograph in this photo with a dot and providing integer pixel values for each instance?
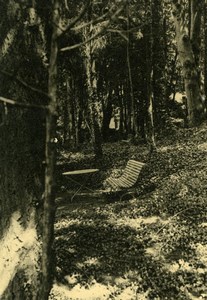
(103, 149)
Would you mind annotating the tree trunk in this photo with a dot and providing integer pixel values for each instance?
(188, 56)
(205, 52)
(27, 161)
(107, 113)
(47, 262)
(158, 64)
(92, 105)
(133, 106)
(121, 121)
(149, 107)
(67, 115)
(150, 118)
(90, 63)
(21, 188)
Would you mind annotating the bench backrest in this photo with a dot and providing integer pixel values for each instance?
(129, 176)
(131, 173)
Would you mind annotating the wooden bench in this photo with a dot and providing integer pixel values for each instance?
(128, 179)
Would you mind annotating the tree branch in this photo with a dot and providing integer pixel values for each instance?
(120, 32)
(23, 83)
(104, 28)
(95, 21)
(76, 19)
(21, 104)
(85, 42)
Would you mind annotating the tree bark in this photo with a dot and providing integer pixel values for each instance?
(90, 63)
(158, 64)
(50, 161)
(133, 106)
(188, 56)
(21, 188)
(107, 113)
(149, 107)
(67, 123)
(27, 152)
(205, 52)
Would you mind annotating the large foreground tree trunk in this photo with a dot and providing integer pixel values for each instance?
(21, 188)
(27, 160)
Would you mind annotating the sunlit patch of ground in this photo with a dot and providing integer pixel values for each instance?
(155, 251)
(170, 148)
(135, 223)
(96, 292)
(201, 251)
(65, 223)
(202, 147)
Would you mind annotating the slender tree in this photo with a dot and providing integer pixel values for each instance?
(158, 63)
(90, 51)
(133, 104)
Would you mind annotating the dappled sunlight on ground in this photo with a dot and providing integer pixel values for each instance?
(100, 243)
(109, 254)
(152, 247)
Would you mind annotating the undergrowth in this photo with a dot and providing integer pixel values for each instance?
(151, 247)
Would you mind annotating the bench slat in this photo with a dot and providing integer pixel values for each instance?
(124, 182)
(129, 176)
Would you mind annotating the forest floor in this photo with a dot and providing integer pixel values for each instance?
(150, 247)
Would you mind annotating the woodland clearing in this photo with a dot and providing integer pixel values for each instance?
(151, 247)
